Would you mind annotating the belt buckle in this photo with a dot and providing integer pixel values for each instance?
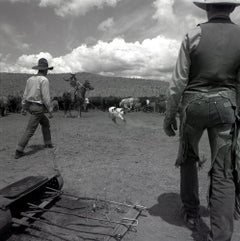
(213, 95)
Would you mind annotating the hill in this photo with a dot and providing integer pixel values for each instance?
(104, 86)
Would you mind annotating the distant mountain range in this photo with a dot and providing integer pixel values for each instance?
(104, 86)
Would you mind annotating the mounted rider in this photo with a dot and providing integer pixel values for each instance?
(206, 83)
(77, 93)
(74, 83)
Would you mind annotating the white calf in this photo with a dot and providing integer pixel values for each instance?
(115, 112)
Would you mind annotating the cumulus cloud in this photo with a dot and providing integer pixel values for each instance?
(178, 16)
(24, 63)
(151, 58)
(106, 25)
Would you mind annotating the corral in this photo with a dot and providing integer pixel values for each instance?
(108, 91)
(103, 86)
(132, 162)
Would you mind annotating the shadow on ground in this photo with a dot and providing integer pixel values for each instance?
(169, 209)
(34, 149)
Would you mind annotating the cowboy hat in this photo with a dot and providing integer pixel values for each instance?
(202, 3)
(42, 65)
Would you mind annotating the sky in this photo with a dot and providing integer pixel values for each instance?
(126, 38)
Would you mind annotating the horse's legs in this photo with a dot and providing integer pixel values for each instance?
(71, 107)
(79, 111)
(69, 110)
(114, 119)
(65, 109)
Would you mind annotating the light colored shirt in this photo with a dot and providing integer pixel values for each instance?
(180, 75)
(37, 91)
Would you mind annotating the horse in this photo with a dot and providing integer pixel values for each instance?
(77, 94)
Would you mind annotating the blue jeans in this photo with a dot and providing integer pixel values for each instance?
(217, 116)
(37, 117)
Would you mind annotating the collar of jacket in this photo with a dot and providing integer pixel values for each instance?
(220, 19)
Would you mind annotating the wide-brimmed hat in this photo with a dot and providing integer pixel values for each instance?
(203, 3)
(42, 65)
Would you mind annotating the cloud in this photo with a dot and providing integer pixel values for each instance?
(164, 10)
(176, 17)
(21, 1)
(76, 7)
(151, 58)
(24, 63)
(72, 7)
(105, 25)
(10, 37)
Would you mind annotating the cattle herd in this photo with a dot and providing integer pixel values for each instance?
(12, 103)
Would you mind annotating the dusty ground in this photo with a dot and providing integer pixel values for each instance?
(125, 162)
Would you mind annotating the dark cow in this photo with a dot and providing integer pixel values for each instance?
(14, 103)
(67, 103)
(3, 105)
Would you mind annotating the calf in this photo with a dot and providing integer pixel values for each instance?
(115, 112)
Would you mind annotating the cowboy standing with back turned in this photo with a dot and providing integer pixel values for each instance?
(36, 99)
(206, 82)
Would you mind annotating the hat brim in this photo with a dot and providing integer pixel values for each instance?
(42, 68)
(204, 5)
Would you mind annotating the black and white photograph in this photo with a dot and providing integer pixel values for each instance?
(119, 120)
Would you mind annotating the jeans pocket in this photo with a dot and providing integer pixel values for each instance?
(225, 111)
(35, 109)
(196, 114)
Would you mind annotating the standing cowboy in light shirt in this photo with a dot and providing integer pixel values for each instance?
(36, 100)
(206, 82)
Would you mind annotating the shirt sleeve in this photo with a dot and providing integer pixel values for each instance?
(46, 94)
(179, 79)
(238, 91)
(180, 74)
(25, 95)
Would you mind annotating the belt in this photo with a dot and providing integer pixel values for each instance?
(35, 103)
(211, 95)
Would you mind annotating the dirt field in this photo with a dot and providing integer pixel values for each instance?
(132, 162)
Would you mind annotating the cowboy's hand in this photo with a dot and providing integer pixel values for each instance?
(170, 125)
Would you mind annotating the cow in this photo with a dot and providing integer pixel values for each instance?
(14, 103)
(67, 103)
(162, 105)
(129, 103)
(55, 105)
(115, 113)
(3, 105)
